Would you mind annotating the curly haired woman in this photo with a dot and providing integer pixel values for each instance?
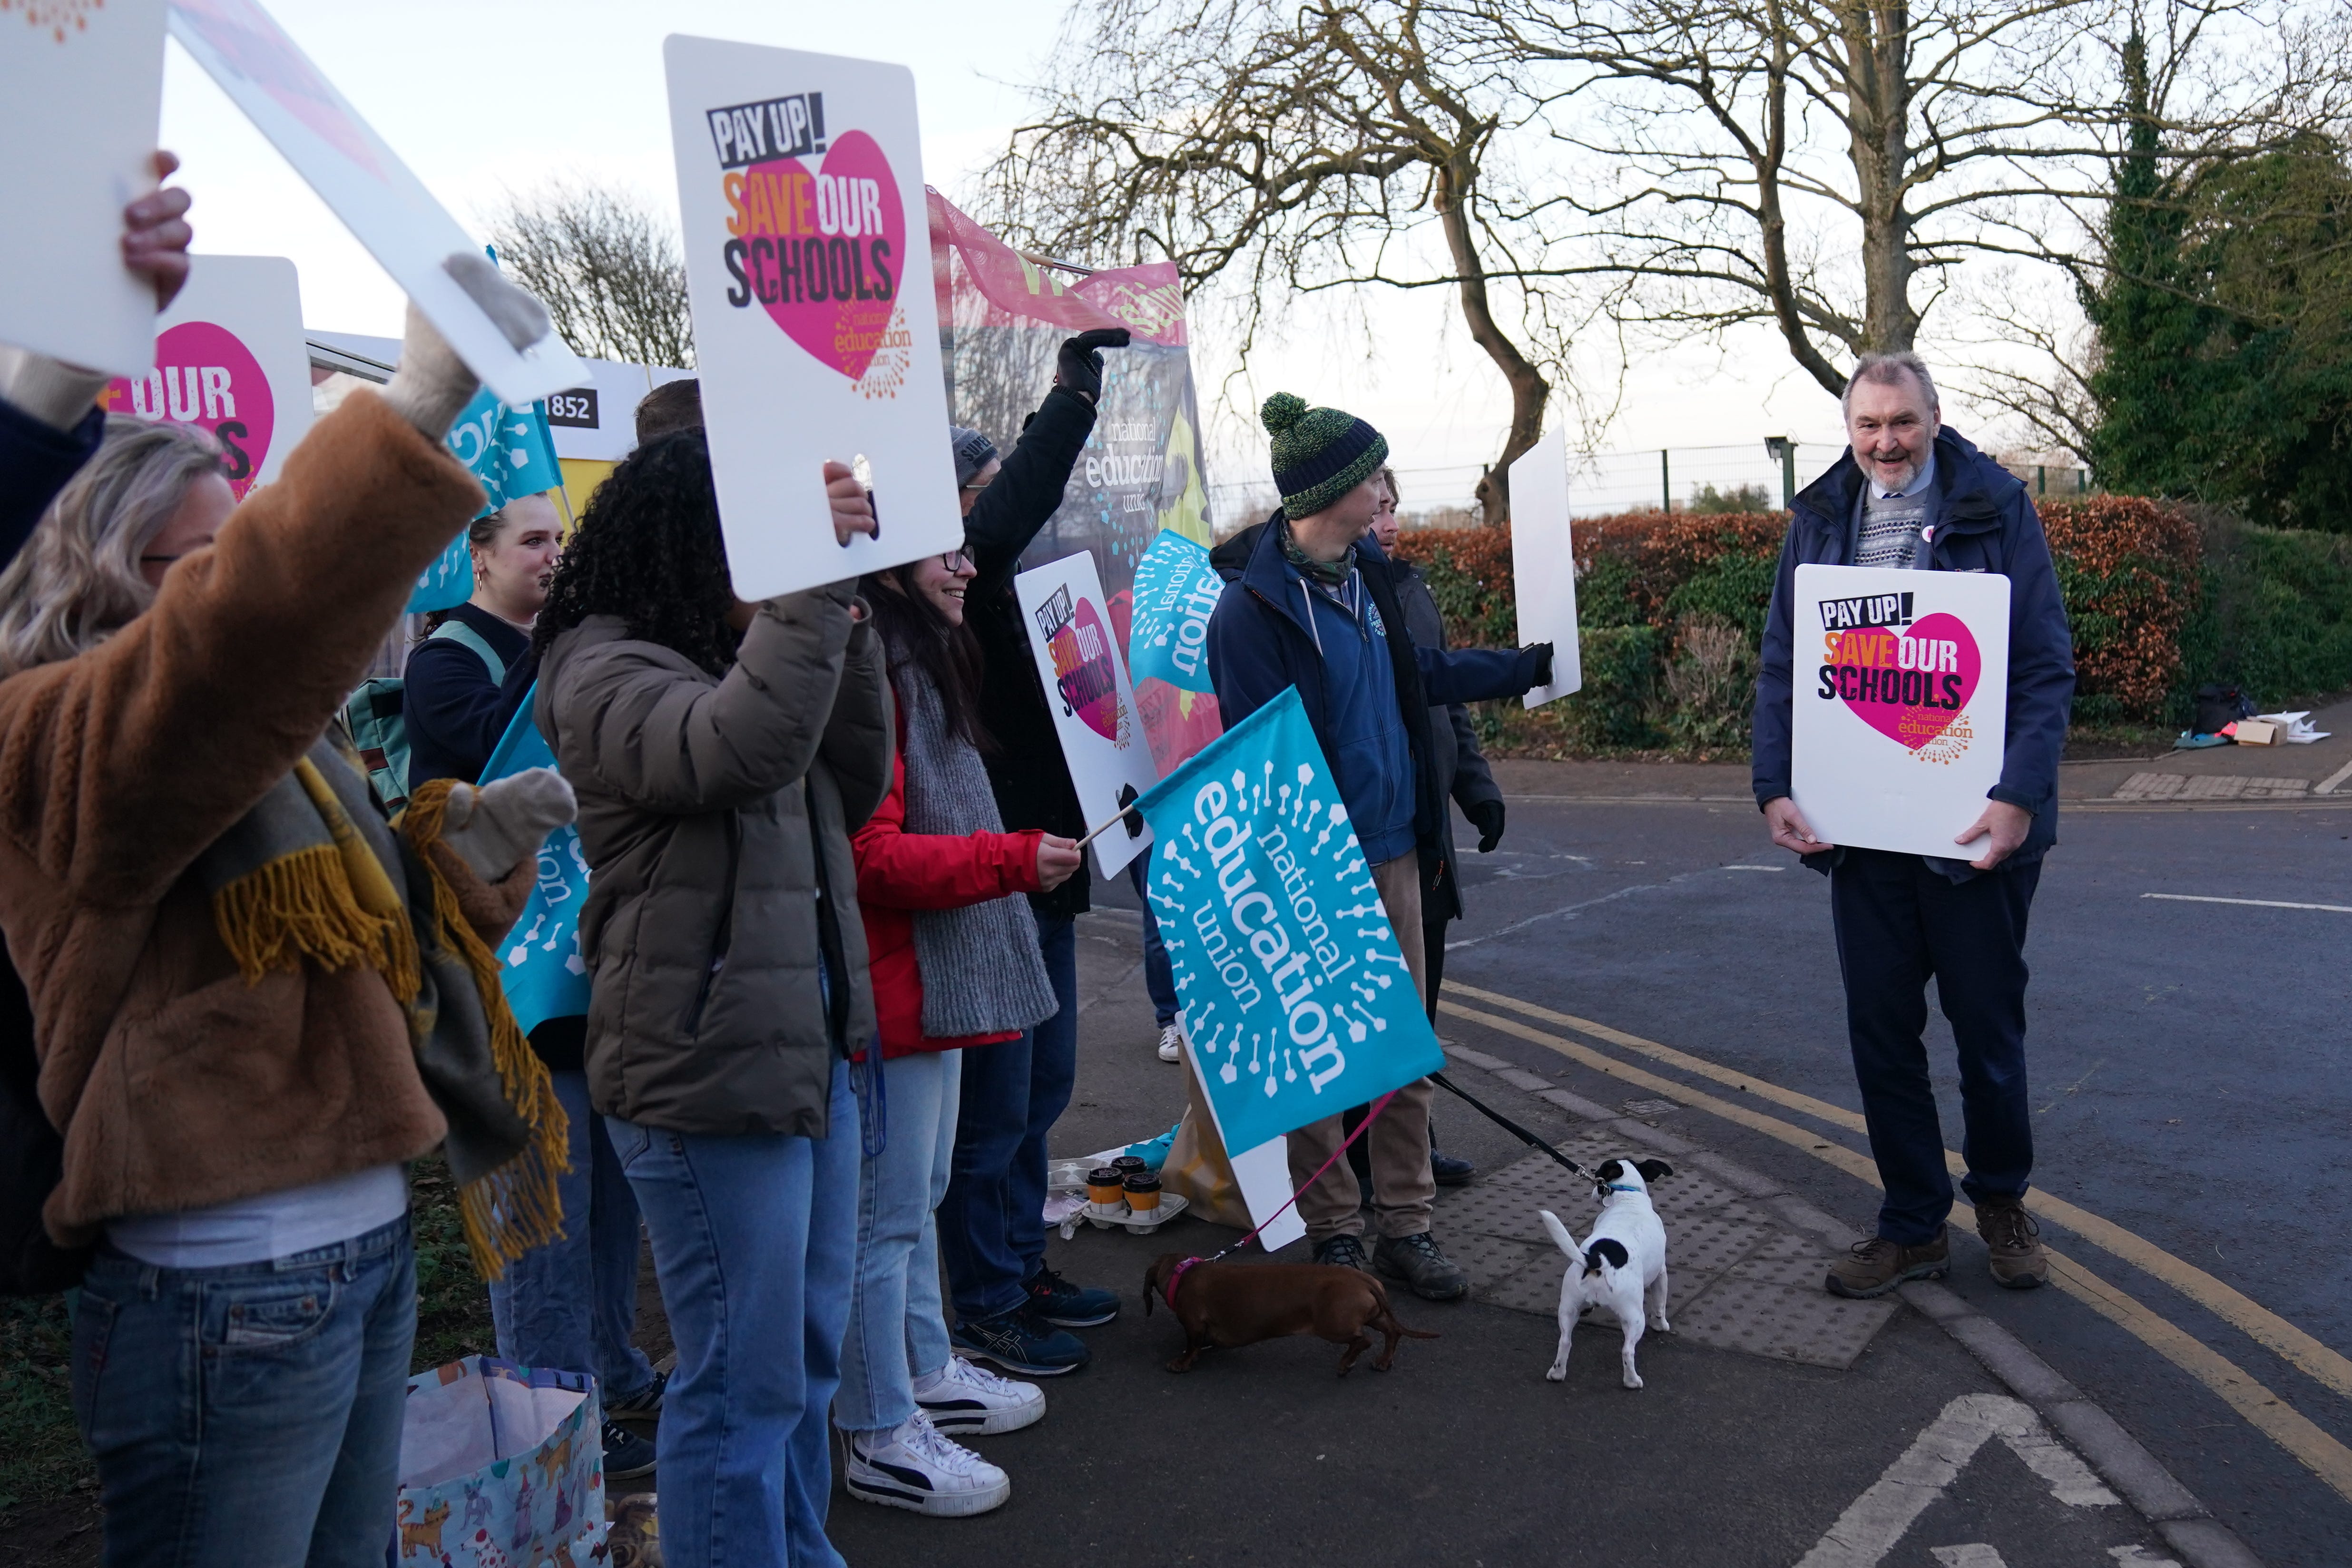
(724, 751)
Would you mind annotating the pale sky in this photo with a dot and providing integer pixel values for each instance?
(485, 95)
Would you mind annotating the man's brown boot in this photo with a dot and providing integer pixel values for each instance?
(2015, 1241)
(1874, 1267)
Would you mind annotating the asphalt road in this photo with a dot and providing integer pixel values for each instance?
(2188, 1061)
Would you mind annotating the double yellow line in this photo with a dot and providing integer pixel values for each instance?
(2269, 1412)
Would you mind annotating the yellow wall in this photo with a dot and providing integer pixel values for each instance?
(581, 477)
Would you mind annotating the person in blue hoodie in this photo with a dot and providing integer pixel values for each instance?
(1315, 607)
(1911, 494)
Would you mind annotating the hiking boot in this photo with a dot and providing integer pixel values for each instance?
(1067, 1305)
(1171, 1044)
(964, 1398)
(1874, 1267)
(1016, 1341)
(915, 1469)
(2015, 1242)
(643, 1404)
(1343, 1250)
(1449, 1171)
(1430, 1275)
(627, 1455)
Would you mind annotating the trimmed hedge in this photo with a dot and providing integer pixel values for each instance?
(1672, 607)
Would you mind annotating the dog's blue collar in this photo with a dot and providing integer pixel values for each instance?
(1619, 1187)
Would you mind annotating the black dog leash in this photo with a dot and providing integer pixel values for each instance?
(1509, 1126)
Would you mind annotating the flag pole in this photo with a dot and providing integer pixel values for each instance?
(1099, 829)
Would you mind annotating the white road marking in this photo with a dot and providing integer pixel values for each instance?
(2257, 904)
(1756, 867)
(1871, 1525)
(1976, 1554)
(2334, 780)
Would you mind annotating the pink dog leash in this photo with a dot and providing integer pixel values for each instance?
(1168, 1290)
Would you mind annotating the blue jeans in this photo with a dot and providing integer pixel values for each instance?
(754, 1238)
(1897, 924)
(897, 1330)
(1159, 979)
(572, 1304)
(248, 1417)
(992, 1223)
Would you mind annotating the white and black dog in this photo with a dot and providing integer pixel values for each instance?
(1621, 1266)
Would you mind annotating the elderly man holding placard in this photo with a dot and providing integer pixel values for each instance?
(1897, 713)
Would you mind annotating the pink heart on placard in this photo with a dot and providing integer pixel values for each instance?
(1909, 683)
(827, 250)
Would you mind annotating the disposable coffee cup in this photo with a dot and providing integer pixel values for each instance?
(1143, 1193)
(1104, 1186)
(1130, 1165)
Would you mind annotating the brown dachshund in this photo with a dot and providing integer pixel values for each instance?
(1231, 1304)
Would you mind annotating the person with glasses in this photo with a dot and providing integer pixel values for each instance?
(1011, 1309)
(958, 974)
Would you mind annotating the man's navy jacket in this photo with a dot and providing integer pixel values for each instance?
(1985, 522)
(1260, 642)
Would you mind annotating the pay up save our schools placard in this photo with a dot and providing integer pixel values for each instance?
(800, 184)
(1901, 695)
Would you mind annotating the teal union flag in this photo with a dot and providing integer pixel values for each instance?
(1176, 591)
(512, 453)
(1295, 995)
(539, 961)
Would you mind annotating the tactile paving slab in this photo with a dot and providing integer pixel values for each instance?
(1787, 1323)
(1739, 1280)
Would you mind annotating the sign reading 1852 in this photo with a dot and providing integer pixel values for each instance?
(575, 409)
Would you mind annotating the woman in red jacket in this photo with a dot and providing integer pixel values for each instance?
(952, 948)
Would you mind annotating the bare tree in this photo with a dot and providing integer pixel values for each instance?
(608, 266)
(1289, 149)
(1826, 167)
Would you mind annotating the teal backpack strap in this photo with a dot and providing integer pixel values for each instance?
(457, 631)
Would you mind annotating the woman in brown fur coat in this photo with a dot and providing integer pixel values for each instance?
(250, 1002)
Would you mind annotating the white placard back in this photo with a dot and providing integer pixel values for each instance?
(359, 177)
(82, 96)
(1543, 563)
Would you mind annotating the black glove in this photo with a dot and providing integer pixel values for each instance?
(1487, 817)
(1079, 366)
(1543, 666)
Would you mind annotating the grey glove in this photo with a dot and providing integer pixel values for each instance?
(494, 827)
(432, 383)
(58, 394)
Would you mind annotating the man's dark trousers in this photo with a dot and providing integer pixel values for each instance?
(1899, 924)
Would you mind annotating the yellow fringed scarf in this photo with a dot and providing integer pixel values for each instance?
(515, 1206)
(298, 879)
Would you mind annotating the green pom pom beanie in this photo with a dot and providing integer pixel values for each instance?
(1319, 454)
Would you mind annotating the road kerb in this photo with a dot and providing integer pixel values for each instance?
(2120, 1459)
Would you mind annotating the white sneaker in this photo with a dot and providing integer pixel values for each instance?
(972, 1401)
(1171, 1043)
(916, 1469)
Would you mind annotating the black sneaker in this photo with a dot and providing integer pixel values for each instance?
(1017, 1342)
(643, 1404)
(1449, 1171)
(1415, 1259)
(1067, 1305)
(627, 1455)
(1345, 1250)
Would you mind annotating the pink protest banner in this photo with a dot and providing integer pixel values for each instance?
(1002, 317)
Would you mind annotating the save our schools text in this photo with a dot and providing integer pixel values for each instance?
(1879, 666)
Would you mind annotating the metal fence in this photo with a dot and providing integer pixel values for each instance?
(1735, 475)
